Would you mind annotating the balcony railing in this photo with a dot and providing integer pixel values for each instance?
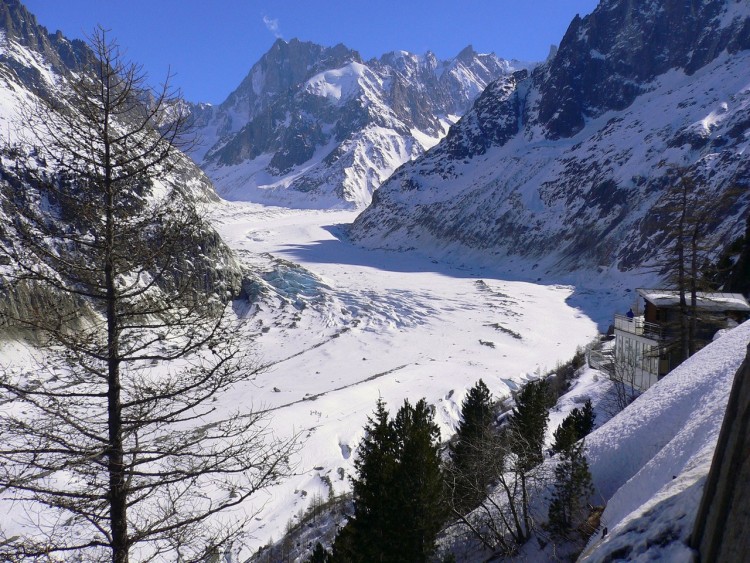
(602, 362)
(638, 326)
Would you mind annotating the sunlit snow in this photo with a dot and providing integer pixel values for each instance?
(650, 462)
(341, 326)
(338, 84)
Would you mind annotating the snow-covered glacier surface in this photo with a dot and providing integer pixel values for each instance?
(338, 326)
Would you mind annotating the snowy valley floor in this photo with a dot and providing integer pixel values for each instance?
(335, 327)
(339, 326)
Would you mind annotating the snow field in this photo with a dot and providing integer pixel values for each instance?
(382, 324)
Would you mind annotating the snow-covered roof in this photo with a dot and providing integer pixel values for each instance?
(706, 301)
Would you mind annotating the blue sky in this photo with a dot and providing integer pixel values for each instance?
(211, 45)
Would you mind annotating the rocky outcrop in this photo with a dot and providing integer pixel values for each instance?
(18, 26)
(35, 63)
(608, 58)
(719, 533)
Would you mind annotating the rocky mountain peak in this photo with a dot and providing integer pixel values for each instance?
(321, 122)
(300, 59)
(278, 73)
(20, 26)
(467, 54)
(287, 64)
(607, 59)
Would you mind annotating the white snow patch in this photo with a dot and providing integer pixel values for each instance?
(339, 84)
(405, 326)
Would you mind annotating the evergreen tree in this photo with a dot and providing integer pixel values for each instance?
(525, 435)
(342, 550)
(471, 466)
(566, 434)
(528, 424)
(503, 522)
(577, 425)
(585, 422)
(398, 492)
(374, 515)
(572, 489)
(731, 272)
(319, 555)
(419, 498)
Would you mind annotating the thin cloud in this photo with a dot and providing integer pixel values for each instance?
(272, 25)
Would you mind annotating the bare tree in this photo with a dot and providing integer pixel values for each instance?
(624, 374)
(694, 216)
(503, 521)
(512, 466)
(116, 443)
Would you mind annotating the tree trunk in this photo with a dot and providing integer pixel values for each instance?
(681, 282)
(116, 462)
(693, 320)
(525, 509)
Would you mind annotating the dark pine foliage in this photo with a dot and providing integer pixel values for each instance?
(319, 555)
(398, 492)
(731, 272)
(578, 424)
(528, 423)
(420, 501)
(573, 487)
(374, 518)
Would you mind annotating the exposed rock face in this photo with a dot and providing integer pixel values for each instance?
(18, 26)
(496, 115)
(606, 59)
(568, 167)
(323, 122)
(250, 114)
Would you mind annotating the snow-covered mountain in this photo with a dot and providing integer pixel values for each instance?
(566, 167)
(314, 126)
(36, 63)
(33, 61)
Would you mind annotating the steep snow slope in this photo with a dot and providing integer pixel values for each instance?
(566, 169)
(650, 462)
(318, 127)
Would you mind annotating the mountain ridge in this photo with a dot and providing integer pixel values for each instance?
(321, 127)
(585, 186)
(35, 64)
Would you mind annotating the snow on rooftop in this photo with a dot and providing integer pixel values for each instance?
(708, 301)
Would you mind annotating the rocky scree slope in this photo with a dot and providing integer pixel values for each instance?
(314, 126)
(568, 167)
